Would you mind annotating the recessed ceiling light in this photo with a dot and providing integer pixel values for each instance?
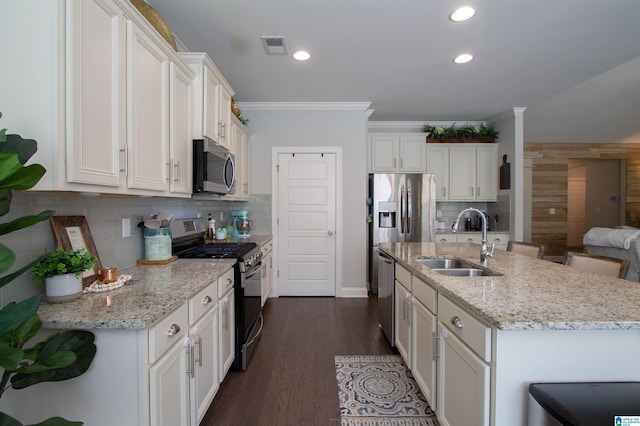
(462, 14)
(301, 55)
(463, 59)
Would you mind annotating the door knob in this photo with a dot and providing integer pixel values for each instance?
(330, 233)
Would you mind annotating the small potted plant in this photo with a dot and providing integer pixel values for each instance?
(62, 273)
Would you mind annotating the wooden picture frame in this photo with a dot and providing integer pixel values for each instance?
(72, 233)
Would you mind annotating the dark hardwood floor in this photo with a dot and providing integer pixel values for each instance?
(291, 379)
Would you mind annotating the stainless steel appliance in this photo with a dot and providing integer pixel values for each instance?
(190, 244)
(386, 298)
(241, 223)
(402, 209)
(213, 168)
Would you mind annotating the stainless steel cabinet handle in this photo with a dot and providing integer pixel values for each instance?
(173, 330)
(456, 321)
(169, 171)
(176, 166)
(472, 191)
(199, 343)
(478, 192)
(190, 365)
(125, 160)
(207, 300)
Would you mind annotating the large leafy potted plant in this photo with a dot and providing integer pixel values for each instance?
(62, 355)
(61, 272)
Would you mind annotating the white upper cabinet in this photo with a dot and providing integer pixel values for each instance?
(397, 153)
(464, 172)
(148, 113)
(109, 117)
(212, 100)
(438, 164)
(180, 140)
(95, 92)
(240, 149)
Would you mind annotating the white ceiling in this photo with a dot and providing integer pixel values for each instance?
(575, 64)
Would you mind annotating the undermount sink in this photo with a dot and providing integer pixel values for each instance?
(453, 267)
(463, 272)
(443, 263)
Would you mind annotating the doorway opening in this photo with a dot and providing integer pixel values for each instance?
(595, 197)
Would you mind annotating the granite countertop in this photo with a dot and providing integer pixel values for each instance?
(158, 291)
(530, 294)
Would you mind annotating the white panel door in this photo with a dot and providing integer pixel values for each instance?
(307, 223)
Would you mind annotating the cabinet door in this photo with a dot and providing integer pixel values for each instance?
(240, 143)
(462, 173)
(384, 153)
(500, 240)
(169, 394)
(96, 102)
(424, 361)
(204, 377)
(463, 381)
(412, 154)
(227, 333)
(211, 106)
(180, 143)
(438, 164)
(224, 124)
(148, 118)
(403, 309)
(487, 172)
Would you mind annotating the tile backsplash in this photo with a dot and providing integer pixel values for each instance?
(104, 215)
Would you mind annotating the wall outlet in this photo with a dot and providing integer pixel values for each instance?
(126, 227)
(438, 213)
(552, 211)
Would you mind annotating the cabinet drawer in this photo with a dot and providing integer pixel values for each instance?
(266, 248)
(446, 238)
(404, 276)
(225, 282)
(470, 330)
(167, 332)
(202, 302)
(470, 238)
(425, 294)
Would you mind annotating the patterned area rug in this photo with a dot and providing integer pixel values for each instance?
(379, 390)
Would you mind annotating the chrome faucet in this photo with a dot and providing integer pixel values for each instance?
(484, 252)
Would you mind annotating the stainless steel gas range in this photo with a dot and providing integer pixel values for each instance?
(188, 243)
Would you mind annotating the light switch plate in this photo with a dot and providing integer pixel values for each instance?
(126, 227)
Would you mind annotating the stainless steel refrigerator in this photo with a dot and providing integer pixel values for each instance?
(402, 208)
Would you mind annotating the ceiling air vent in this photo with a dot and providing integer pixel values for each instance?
(274, 45)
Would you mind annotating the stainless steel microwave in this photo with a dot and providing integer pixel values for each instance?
(213, 168)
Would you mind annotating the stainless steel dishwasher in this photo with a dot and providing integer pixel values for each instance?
(386, 277)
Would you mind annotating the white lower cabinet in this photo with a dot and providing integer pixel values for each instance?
(463, 367)
(463, 383)
(169, 394)
(424, 359)
(500, 239)
(226, 312)
(403, 321)
(447, 349)
(267, 271)
(203, 371)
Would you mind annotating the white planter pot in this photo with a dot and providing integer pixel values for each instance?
(63, 288)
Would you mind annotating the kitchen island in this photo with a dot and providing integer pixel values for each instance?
(542, 322)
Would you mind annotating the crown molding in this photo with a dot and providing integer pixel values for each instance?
(304, 106)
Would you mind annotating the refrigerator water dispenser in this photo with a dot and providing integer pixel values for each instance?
(387, 219)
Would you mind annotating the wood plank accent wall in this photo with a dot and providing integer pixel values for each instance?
(549, 186)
